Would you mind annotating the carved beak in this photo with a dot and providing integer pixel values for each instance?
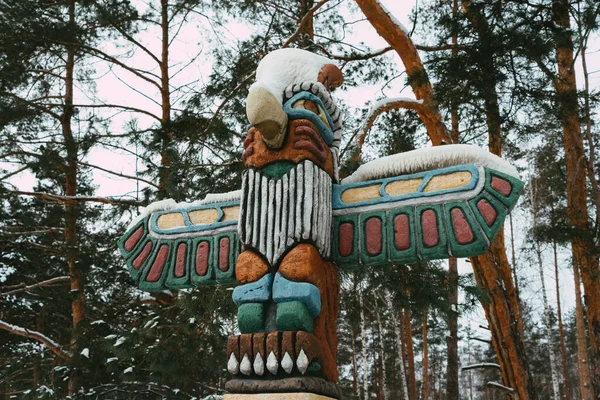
(264, 111)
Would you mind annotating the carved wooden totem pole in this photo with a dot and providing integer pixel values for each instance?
(284, 235)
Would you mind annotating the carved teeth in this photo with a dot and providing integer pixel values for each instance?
(259, 365)
(272, 364)
(287, 363)
(245, 366)
(233, 365)
(302, 362)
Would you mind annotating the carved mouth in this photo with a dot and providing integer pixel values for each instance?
(308, 139)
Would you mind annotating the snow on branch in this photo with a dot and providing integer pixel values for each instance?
(497, 385)
(40, 337)
(392, 31)
(481, 365)
(75, 199)
(376, 109)
(52, 281)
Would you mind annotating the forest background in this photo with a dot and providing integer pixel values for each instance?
(106, 106)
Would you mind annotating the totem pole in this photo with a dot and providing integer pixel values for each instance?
(283, 237)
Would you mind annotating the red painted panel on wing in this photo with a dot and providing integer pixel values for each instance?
(501, 186)
(180, 260)
(139, 260)
(159, 264)
(224, 254)
(401, 232)
(431, 236)
(134, 238)
(202, 253)
(487, 211)
(373, 236)
(346, 238)
(461, 227)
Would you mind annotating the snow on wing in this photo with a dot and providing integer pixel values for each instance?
(183, 246)
(448, 212)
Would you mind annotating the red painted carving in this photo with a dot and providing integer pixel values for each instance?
(180, 260)
(224, 254)
(373, 236)
(401, 232)
(158, 264)
(487, 211)
(501, 186)
(139, 261)
(202, 253)
(460, 225)
(134, 239)
(431, 237)
(346, 239)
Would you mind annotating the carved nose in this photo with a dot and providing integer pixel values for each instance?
(265, 113)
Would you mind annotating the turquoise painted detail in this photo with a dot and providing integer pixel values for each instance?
(382, 257)
(337, 202)
(254, 292)
(136, 273)
(189, 227)
(182, 282)
(517, 187)
(440, 250)
(121, 242)
(490, 231)
(351, 260)
(226, 277)
(397, 255)
(158, 285)
(300, 113)
(285, 290)
(479, 245)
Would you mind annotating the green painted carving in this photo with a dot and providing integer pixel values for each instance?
(293, 316)
(251, 317)
(478, 245)
(278, 169)
(399, 255)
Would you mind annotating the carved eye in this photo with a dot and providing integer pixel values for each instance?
(312, 107)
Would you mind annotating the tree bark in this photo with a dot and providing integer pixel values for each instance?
(384, 388)
(452, 337)
(561, 331)
(396, 322)
(363, 342)
(582, 246)
(585, 383)
(410, 356)
(425, 357)
(165, 122)
(354, 363)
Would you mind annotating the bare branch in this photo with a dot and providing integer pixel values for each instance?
(307, 16)
(75, 199)
(60, 279)
(118, 174)
(127, 108)
(49, 343)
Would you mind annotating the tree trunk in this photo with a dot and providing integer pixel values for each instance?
(582, 246)
(75, 272)
(585, 384)
(363, 340)
(396, 322)
(410, 356)
(384, 388)
(514, 259)
(561, 331)
(165, 122)
(425, 358)
(354, 364)
(452, 336)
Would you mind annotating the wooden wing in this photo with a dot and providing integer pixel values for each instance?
(448, 212)
(183, 246)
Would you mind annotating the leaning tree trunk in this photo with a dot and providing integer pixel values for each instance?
(363, 341)
(425, 358)
(384, 388)
(561, 331)
(582, 247)
(492, 270)
(396, 322)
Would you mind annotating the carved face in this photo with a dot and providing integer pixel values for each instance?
(304, 125)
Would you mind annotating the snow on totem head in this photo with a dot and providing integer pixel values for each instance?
(281, 75)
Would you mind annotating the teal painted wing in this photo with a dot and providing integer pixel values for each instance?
(448, 212)
(183, 246)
